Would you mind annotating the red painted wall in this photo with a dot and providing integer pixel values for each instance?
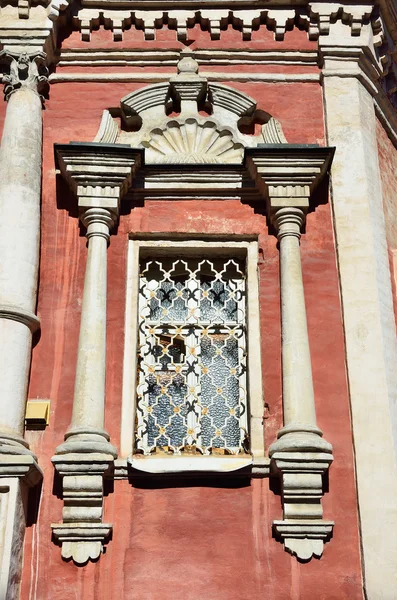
(188, 542)
(388, 173)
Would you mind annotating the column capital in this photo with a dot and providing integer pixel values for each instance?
(99, 175)
(287, 174)
(289, 221)
(26, 70)
(98, 221)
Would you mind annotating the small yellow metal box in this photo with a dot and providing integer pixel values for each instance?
(37, 412)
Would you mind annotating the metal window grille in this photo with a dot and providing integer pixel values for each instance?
(191, 394)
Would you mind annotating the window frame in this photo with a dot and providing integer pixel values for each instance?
(205, 246)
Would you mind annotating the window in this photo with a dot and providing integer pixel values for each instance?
(192, 386)
(191, 393)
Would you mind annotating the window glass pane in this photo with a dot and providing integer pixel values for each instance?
(191, 390)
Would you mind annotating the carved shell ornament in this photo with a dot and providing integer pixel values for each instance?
(192, 142)
(189, 138)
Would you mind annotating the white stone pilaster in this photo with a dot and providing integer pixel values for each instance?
(287, 176)
(369, 324)
(300, 454)
(20, 189)
(99, 175)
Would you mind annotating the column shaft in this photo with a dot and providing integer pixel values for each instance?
(89, 392)
(298, 394)
(20, 187)
(87, 432)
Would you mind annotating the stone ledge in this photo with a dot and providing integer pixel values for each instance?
(22, 466)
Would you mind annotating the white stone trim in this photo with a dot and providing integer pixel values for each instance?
(183, 464)
(82, 57)
(369, 323)
(12, 529)
(254, 371)
(158, 77)
(128, 400)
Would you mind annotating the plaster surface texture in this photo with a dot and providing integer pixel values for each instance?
(369, 325)
(160, 533)
(20, 184)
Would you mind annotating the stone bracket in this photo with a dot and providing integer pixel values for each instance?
(81, 541)
(302, 530)
(82, 533)
(303, 539)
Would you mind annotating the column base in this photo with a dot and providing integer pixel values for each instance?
(21, 466)
(303, 539)
(82, 534)
(14, 445)
(85, 441)
(300, 438)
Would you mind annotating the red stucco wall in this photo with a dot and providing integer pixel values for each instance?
(388, 173)
(188, 542)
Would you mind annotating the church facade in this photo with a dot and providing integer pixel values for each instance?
(198, 246)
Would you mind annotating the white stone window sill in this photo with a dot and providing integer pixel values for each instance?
(193, 464)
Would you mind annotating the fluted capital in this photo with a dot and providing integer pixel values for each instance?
(288, 221)
(26, 70)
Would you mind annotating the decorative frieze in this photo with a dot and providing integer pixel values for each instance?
(316, 18)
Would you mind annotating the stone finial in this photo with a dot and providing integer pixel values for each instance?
(187, 63)
(25, 71)
(187, 86)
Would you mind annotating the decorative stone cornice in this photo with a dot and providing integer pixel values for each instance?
(98, 174)
(26, 70)
(287, 174)
(215, 17)
(21, 466)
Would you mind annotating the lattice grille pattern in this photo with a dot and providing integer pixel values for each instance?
(192, 359)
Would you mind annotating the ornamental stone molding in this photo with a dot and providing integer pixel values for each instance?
(338, 24)
(26, 70)
(189, 138)
(222, 157)
(315, 18)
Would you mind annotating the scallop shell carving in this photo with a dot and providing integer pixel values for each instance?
(192, 142)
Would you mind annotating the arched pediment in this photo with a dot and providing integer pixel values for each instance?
(203, 126)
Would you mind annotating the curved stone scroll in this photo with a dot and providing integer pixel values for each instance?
(108, 131)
